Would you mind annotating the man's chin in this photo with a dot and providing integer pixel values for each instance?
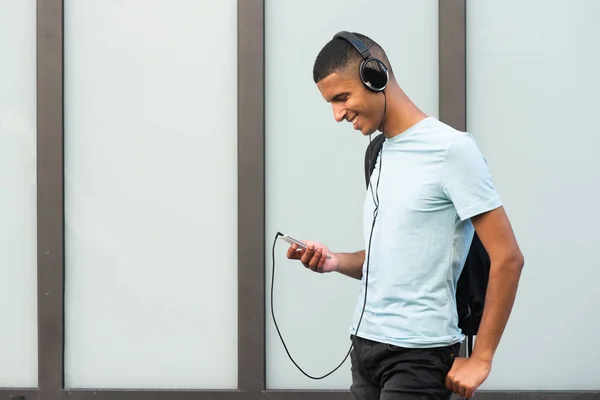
(368, 132)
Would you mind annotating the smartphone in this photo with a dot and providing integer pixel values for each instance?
(299, 243)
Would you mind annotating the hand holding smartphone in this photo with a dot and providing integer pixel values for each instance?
(298, 243)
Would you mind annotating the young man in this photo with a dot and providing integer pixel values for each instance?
(430, 189)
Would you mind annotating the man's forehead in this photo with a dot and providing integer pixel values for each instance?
(333, 85)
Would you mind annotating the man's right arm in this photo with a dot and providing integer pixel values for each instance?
(351, 264)
(314, 258)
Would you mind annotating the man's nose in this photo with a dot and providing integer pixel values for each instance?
(338, 113)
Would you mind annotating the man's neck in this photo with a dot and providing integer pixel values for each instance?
(401, 113)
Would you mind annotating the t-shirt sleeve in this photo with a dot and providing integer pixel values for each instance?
(467, 180)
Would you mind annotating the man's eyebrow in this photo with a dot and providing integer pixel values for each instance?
(338, 96)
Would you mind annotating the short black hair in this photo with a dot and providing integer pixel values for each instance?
(338, 55)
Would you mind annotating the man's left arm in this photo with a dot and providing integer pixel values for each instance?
(467, 182)
(506, 262)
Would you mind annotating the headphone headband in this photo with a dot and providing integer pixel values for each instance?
(355, 41)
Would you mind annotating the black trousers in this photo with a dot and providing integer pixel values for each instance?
(385, 372)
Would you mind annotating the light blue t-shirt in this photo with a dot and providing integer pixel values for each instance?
(433, 179)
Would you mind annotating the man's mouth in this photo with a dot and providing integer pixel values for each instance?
(354, 120)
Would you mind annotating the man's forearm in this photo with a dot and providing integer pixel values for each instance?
(350, 264)
(499, 301)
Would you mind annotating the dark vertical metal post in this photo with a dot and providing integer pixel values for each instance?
(251, 196)
(50, 215)
(453, 63)
(453, 67)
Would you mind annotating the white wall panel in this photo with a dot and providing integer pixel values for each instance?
(18, 202)
(533, 83)
(151, 194)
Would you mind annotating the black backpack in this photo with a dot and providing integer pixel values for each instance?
(473, 281)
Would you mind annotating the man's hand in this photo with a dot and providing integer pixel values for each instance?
(466, 375)
(314, 257)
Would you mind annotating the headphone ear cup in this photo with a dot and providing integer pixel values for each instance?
(374, 74)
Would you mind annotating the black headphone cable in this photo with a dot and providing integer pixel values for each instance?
(375, 213)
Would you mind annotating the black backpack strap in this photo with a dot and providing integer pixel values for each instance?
(371, 154)
(469, 345)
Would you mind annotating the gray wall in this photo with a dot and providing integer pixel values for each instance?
(143, 191)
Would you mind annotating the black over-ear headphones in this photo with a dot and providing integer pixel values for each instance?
(373, 72)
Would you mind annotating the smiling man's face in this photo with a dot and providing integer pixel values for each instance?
(352, 101)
